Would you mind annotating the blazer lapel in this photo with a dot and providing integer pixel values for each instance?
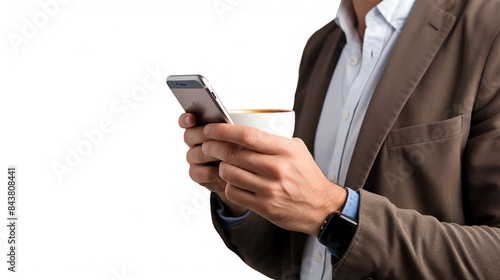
(425, 31)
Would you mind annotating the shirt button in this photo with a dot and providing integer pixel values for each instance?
(400, 23)
(346, 115)
(318, 257)
(353, 61)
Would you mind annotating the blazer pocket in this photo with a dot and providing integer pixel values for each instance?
(426, 132)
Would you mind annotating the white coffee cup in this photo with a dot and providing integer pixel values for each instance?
(276, 121)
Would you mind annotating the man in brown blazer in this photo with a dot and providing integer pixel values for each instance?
(426, 163)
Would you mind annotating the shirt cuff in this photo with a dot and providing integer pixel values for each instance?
(351, 205)
(226, 221)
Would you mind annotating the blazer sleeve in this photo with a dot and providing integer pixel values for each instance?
(404, 244)
(258, 242)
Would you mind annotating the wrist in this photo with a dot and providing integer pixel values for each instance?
(334, 203)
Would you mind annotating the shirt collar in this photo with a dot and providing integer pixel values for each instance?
(346, 20)
(395, 12)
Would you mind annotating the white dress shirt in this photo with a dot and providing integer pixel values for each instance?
(352, 85)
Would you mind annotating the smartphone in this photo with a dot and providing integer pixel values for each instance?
(197, 97)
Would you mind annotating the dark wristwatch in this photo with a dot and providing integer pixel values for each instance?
(337, 232)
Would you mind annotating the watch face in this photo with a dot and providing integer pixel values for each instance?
(337, 233)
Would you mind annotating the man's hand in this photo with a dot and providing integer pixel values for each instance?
(204, 169)
(273, 176)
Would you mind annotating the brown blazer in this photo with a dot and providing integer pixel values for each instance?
(427, 160)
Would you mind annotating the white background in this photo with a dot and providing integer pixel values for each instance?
(127, 208)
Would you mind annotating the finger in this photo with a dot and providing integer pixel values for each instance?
(203, 174)
(215, 187)
(249, 137)
(194, 136)
(236, 155)
(240, 196)
(187, 120)
(241, 178)
(195, 155)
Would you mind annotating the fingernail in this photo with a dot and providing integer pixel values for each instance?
(207, 130)
(186, 120)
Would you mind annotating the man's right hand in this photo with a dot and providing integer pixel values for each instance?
(204, 169)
